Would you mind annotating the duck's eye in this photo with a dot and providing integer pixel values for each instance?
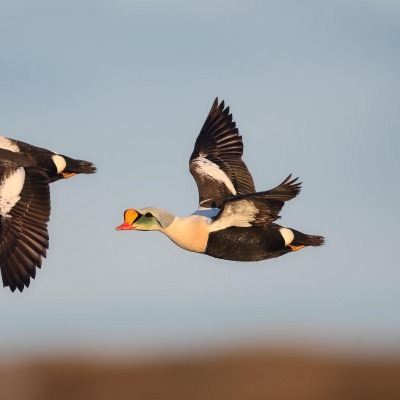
(148, 214)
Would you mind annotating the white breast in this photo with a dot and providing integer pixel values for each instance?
(190, 233)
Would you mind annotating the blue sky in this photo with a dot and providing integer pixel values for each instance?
(315, 90)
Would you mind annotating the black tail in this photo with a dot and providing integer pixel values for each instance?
(307, 240)
(79, 166)
(74, 167)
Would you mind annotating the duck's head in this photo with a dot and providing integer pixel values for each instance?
(146, 219)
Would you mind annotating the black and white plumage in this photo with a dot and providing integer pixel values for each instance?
(233, 221)
(216, 162)
(25, 174)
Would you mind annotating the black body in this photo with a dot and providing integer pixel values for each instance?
(255, 243)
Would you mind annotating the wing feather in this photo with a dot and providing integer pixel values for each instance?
(256, 209)
(24, 237)
(216, 162)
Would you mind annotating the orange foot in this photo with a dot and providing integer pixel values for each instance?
(68, 175)
(295, 248)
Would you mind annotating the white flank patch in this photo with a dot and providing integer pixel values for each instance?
(238, 213)
(60, 163)
(212, 170)
(6, 143)
(10, 190)
(287, 235)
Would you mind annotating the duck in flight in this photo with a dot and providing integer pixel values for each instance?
(232, 221)
(25, 174)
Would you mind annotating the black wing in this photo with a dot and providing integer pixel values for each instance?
(23, 232)
(256, 209)
(10, 160)
(216, 162)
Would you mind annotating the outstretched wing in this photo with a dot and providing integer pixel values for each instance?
(216, 162)
(256, 209)
(23, 231)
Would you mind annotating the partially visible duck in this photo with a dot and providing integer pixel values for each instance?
(233, 221)
(25, 174)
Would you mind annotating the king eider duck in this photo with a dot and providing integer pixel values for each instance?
(25, 174)
(233, 221)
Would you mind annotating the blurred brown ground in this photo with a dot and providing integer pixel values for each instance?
(237, 375)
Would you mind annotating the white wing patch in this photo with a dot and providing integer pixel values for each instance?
(60, 163)
(6, 143)
(10, 190)
(238, 213)
(206, 167)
